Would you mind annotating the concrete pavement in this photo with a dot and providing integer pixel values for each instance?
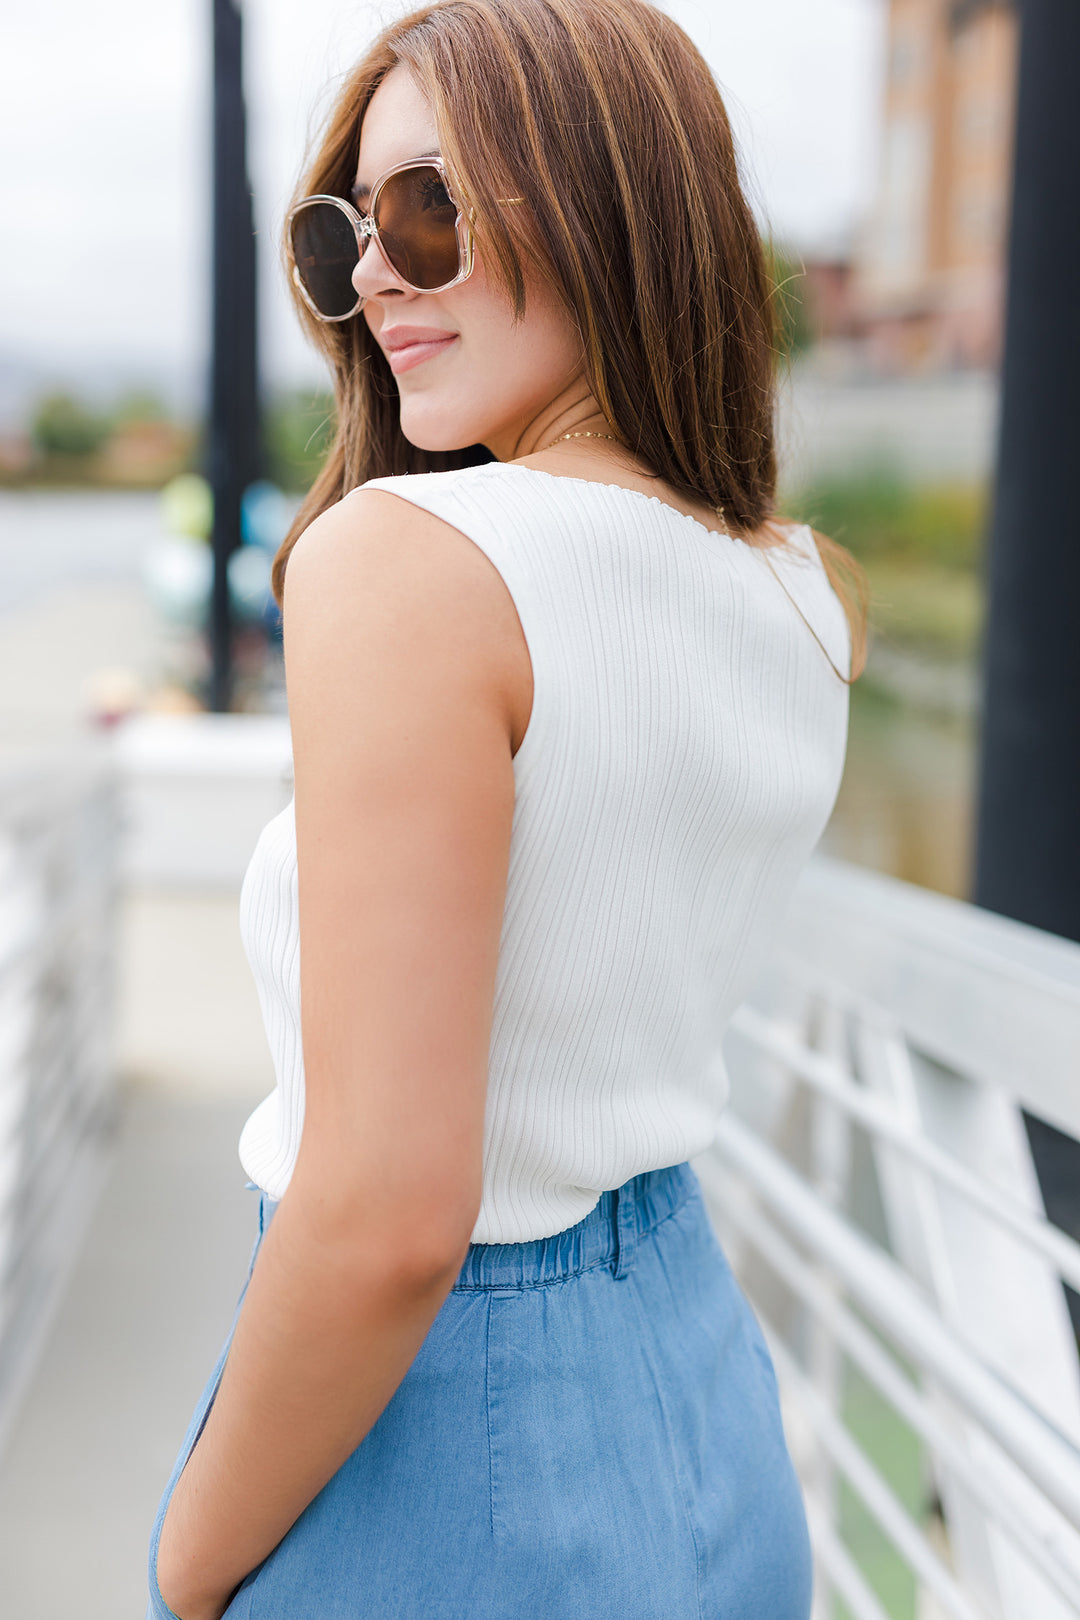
(155, 1285)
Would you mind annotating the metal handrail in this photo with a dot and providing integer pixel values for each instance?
(836, 1082)
(58, 831)
(873, 1490)
(874, 1182)
(840, 1569)
(978, 992)
(888, 1295)
(1055, 1551)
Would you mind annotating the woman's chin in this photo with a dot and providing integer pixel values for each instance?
(438, 430)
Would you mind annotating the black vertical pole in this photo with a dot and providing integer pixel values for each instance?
(233, 438)
(1028, 846)
(1028, 858)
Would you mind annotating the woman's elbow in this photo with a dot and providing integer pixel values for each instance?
(426, 1248)
(411, 1238)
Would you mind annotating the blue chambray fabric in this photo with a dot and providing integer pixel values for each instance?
(591, 1429)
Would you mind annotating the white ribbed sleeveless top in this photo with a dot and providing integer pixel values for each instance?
(684, 749)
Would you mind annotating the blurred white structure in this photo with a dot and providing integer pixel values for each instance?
(873, 1186)
(57, 936)
(197, 791)
(936, 429)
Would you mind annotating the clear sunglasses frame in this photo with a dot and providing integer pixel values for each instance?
(366, 230)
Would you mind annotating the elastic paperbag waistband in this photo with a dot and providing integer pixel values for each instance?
(606, 1236)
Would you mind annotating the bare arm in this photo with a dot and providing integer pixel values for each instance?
(407, 671)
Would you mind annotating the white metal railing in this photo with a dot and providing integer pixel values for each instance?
(57, 902)
(873, 1186)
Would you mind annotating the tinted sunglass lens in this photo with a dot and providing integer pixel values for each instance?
(325, 254)
(417, 224)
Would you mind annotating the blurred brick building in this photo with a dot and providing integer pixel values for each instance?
(927, 289)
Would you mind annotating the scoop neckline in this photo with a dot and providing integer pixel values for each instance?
(623, 489)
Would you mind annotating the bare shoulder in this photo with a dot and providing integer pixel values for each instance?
(376, 583)
(374, 537)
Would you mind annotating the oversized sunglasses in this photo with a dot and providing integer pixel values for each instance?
(415, 223)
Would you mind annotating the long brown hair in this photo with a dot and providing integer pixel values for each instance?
(603, 117)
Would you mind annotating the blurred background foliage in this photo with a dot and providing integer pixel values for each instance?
(137, 442)
(921, 546)
(796, 329)
(63, 426)
(298, 429)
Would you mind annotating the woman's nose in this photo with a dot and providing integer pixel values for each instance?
(373, 277)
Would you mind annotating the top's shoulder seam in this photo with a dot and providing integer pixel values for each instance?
(451, 476)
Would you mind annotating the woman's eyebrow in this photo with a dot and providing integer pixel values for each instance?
(359, 191)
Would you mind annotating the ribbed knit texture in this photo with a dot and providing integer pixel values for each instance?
(684, 750)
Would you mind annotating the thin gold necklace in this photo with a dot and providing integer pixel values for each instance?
(612, 436)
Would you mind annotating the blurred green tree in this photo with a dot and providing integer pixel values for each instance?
(140, 405)
(878, 513)
(299, 426)
(794, 325)
(921, 546)
(63, 426)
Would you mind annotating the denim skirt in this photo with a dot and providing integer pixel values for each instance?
(590, 1431)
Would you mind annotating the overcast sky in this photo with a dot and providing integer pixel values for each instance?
(104, 159)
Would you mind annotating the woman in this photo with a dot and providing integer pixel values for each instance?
(568, 717)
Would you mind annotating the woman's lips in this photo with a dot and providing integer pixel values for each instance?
(404, 356)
